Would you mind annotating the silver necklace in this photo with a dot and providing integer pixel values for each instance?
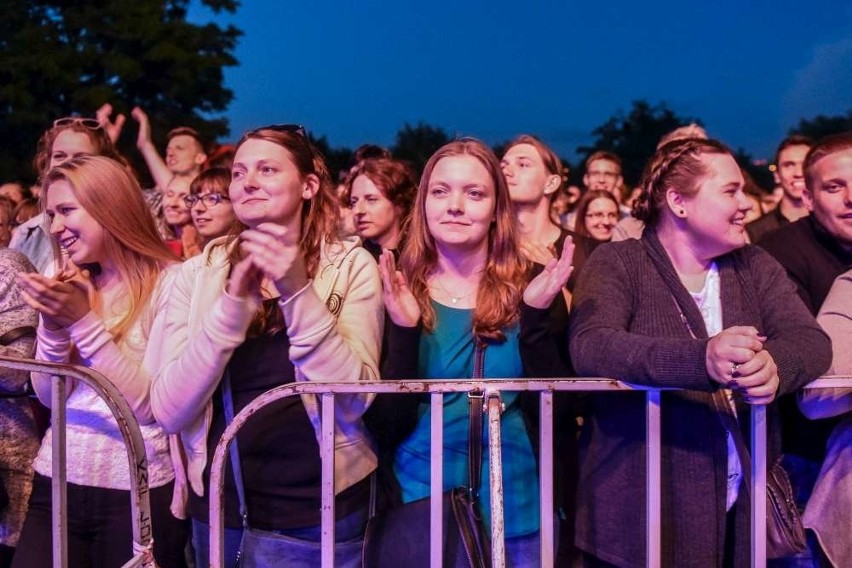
(454, 299)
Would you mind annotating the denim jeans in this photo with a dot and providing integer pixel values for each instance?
(305, 551)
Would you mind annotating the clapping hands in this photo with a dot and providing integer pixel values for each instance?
(62, 300)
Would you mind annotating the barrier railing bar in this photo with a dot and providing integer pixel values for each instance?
(758, 484)
(327, 456)
(436, 480)
(653, 455)
(830, 381)
(438, 387)
(132, 435)
(545, 482)
(58, 493)
(498, 543)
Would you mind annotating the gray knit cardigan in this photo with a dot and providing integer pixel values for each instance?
(627, 324)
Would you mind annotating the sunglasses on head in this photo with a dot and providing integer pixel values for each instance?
(294, 128)
(89, 123)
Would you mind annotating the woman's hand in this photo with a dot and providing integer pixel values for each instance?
(542, 289)
(61, 301)
(245, 280)
(400, 303)
(757, 379)
(730, 348)
(274, 249)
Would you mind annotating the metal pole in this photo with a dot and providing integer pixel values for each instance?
(653, 502)
(495, 456)
(436, 517)
(758, 484)
(59, 507)
(327, 455)
(545, 479)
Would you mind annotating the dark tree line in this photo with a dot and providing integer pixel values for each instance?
(59, 58)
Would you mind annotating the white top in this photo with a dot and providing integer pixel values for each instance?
(96, 451)
(709, 302)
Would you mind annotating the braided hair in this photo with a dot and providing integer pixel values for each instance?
(677, 165)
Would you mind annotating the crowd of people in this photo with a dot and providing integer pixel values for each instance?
(253, 266)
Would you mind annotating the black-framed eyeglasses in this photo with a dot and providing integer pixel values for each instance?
(90, 123)
(209, 199)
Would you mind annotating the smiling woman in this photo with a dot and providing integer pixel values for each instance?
(691, 306)
(99, 311)
(281, 301)
(456, 293)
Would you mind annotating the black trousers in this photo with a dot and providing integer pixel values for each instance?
(99, 528)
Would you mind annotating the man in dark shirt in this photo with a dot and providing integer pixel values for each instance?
(789, 159)
(815, 250)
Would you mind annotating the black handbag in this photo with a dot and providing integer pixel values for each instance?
(400, 536)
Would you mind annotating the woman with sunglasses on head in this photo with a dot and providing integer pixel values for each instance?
(210, 206)
(280, 302)
(689, 306)
(100, 311)
(458, 287)
(68, 138)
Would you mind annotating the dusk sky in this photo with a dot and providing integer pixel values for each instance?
(356, 71)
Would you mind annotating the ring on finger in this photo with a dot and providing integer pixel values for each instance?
(734, 368)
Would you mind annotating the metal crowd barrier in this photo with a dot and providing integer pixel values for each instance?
(492, 388)
(137, 458)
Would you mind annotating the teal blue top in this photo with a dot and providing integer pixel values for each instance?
(447, 353)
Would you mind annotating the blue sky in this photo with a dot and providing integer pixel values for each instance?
(355, 71)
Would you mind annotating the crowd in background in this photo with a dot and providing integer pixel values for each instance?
(252, 265)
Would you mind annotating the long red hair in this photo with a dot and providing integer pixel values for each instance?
(506, 270)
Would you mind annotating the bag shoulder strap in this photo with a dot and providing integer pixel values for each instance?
(234, 450)
(16, 333)
(476, 408)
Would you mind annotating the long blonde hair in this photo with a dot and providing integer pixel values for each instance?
(506, 270)
(114, 199)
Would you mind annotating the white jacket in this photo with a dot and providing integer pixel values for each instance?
(334, 326)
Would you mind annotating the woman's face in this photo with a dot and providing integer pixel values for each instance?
(212, 219)
(70, 144)
(460, 203)
(376, 217)
(525, 173)
(72, 226)
(601, 217)
(716, 215)
(266, 185)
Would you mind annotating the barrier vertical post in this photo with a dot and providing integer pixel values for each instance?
(436, 517)
(59, 478)
(653, 454)
(495, 460)
(327, 456)
(758, 484)
(545, 480)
